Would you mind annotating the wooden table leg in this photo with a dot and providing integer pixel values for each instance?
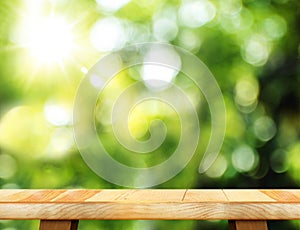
(248, 225)
(59, 225)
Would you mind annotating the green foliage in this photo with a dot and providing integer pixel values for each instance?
(251, 47)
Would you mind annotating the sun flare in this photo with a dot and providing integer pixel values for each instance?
(50, 41)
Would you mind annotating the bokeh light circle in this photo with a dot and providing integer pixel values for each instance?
(92, 149)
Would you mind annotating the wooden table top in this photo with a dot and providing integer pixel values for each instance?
(167, 204)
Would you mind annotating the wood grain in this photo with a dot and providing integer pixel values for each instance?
(150, 204)
(281, 195)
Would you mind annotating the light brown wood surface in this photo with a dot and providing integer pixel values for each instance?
(150, 204)
(248, 225)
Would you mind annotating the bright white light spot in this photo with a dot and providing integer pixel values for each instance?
(159, 76)
(96, 81)
(165, 29)
(111, 5)
(244, 159)
(56, 115)
(50, 40)
(196, 13)
(84, 70)
(256, 51)
(108, 34)
(264, 128)
(55, 2)
(61, 141)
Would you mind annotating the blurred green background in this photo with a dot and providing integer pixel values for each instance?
(252, 47)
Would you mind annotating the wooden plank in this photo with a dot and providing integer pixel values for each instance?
(262, 211)
(295, 192)
(150, 204)
(136, 210)
(114, 211)
(110, 195)
(59, 225)
(141, 195)
(71, 196)
(257, 204)
(42, 196)
(15, 195)
(209, 195)
(251, 195)
(248, 225)
(155, 195)
(282, 195)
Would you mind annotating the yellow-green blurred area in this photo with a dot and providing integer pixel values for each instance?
(252, 47)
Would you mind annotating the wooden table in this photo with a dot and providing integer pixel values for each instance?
(62, 209)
